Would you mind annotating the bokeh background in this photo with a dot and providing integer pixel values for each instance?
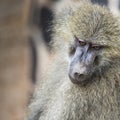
(25, 50)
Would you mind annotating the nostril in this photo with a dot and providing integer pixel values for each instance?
(79, 75)
(76, 75)
(82, 76)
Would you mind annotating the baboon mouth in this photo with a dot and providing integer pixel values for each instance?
(79, 81)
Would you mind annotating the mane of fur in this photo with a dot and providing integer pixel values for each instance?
(58, 98)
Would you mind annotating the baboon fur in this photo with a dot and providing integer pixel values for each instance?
(57, 98)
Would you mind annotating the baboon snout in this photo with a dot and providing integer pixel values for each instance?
(79, 74)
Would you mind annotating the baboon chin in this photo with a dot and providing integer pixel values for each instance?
(88, 86)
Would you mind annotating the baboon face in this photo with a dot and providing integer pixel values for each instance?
(84, 60)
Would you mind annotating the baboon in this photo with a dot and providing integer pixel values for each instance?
(83, 80)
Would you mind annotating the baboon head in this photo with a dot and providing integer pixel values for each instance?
(94, 45)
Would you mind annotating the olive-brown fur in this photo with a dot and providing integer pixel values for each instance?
(57, 98)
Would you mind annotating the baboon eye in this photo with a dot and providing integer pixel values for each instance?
(96, 47)
(82, 43)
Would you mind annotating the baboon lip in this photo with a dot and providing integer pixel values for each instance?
(83, 83)
(78, 82)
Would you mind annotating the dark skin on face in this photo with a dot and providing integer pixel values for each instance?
(84, 60)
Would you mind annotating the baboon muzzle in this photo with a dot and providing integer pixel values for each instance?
(80, 74)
